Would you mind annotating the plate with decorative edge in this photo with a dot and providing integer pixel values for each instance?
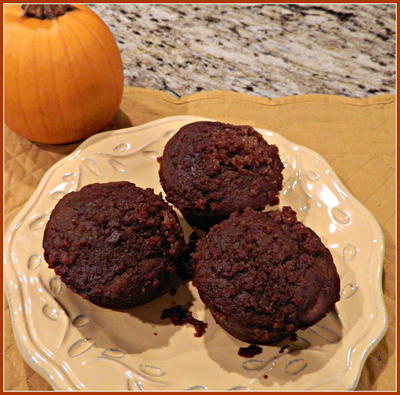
(76, 345)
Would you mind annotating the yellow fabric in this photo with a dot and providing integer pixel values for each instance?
(356, 136)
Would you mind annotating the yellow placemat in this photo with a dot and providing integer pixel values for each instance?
(356, 136)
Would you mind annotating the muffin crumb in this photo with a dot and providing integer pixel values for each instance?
(250, 351)
(180, 316)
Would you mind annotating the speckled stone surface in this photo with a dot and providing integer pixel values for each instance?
(268, 50)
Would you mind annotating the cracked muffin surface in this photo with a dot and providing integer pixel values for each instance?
(210, 169)
(113, 243)
(265, 275)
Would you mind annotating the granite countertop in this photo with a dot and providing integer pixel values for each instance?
(267, 50)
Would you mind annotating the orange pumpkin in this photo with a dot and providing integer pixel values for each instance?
(63, 72)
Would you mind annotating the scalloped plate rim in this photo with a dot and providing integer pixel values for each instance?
(23, 346)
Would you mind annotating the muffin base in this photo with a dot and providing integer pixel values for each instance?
(135, 301)
(248, 335)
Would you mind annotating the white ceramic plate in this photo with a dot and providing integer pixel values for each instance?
(77, 345)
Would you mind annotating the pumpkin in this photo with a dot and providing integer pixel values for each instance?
(63, 72)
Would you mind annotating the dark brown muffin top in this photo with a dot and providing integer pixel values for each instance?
(266, 270)
(111, 242)
(211, 169)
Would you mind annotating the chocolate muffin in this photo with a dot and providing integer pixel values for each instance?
(264, 275)
(210, 169)
(114, 243)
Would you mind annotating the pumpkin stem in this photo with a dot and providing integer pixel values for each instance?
(46, 11)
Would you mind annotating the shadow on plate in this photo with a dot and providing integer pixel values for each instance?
(128, 331)
(284, 361)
